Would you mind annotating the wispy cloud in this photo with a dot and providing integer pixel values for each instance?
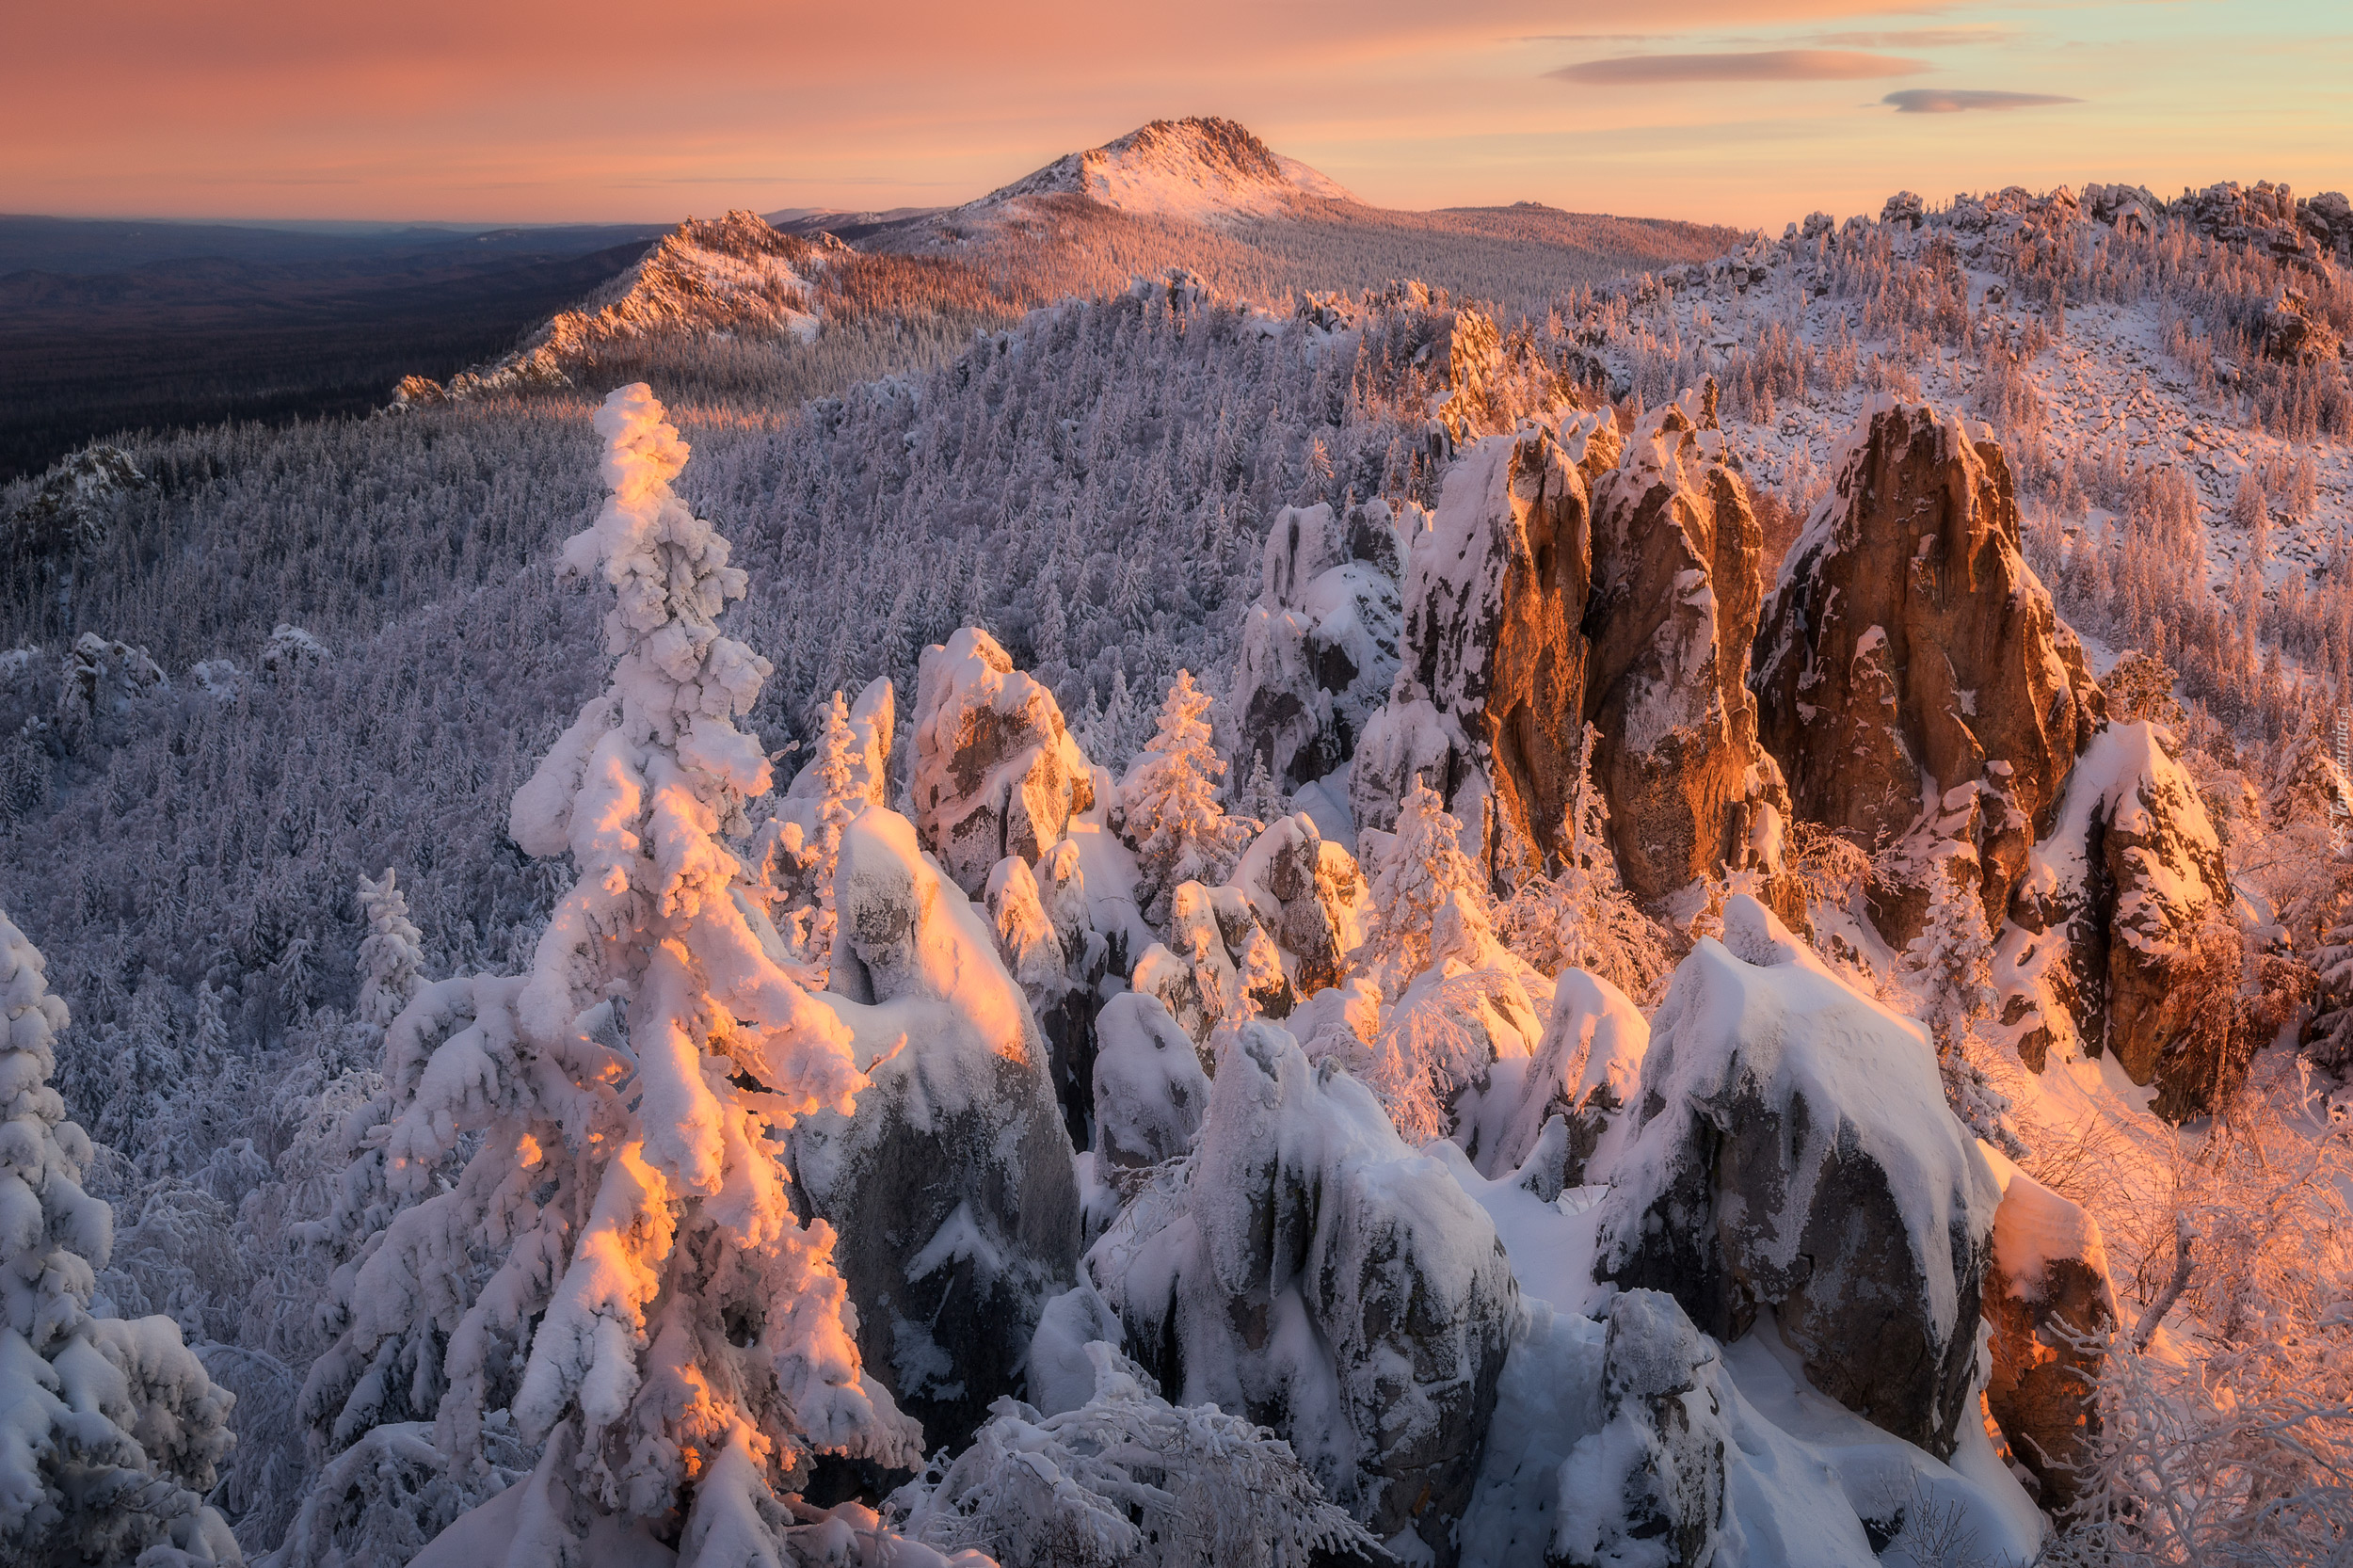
(1915, 38)
(1759, 65)
(1957, 101)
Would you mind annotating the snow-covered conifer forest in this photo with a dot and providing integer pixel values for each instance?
(1165, 871)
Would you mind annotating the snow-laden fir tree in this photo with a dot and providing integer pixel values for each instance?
(110, 1431)
(1413, 875)
(1948, 969)
(391, 955)
(1169, 800)
(622, 1226)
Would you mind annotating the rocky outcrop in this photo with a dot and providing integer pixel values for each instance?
(1648, 1487)
(1571, 580)
(1319, 647)
(949, 1188)
(2291, 334)
(1058, 972)
(99, 682)
(1309, 895)
(1489, 704)
(1314, 1272)
(2046, 1296)
(2108, 925)
(996, 772)
(1674, 608)
(1913, 680)
(1219, 965)
(1792, 1151)
(72, 508)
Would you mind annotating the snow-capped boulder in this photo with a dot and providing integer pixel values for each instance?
(996, 772)
(949, 1188)
(1792, 1153)
(1676, 589)
(1585, 1071)
(2107, 918)
(2046, 1293)
(1312, 1272)
(1319, 647)
(1309, 895)
(1490, 701)
(1912, 675)
(1150, 1087)
(1649, 1486)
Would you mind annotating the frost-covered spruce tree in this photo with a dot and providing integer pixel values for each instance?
(1413, 875)
(622, 1228)
(1949, 971)
(1169, 804)
(110, 1431)
(391, 955)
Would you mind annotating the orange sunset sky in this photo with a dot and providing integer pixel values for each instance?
(482, 111)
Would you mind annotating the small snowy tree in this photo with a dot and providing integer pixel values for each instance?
(619, 1259)
(391, 955)
(110, 1431)
(1948, 970)
(1260, 798)
(1169, 800)
(1412, 876)
(1128, 1478)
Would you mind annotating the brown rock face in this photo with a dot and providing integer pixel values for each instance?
(2109, 921)
(1488, 704)
(2049, 1281)
(1672, 612)
(1914, 681)
(1531, 610)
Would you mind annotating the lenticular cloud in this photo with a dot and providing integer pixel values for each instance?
(1955, 99)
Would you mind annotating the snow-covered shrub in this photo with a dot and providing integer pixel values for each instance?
(2226, 1403)
(1950, 966)
(110, 1431)
(1582, 915)
(1127, 1479)
(620, 1226)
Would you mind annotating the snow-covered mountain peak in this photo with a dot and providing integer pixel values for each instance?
(1196, 169)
